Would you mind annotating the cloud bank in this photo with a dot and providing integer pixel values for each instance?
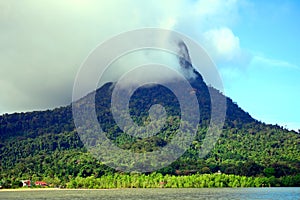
(43, 43)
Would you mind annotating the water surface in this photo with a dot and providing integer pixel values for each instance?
(157, 194)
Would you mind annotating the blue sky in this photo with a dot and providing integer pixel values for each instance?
(269, 87)
(255, 45)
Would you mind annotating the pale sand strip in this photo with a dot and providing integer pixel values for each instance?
(47, 189)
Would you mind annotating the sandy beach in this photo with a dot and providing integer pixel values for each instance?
(47, 189)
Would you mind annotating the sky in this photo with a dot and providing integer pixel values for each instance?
(254, 44)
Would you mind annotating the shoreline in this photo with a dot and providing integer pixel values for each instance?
(49, 189)
(86, 189)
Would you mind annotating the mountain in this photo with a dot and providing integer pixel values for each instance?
(46, 143)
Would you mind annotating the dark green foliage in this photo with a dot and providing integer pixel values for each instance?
(45, 145)
(269, 171)
(33, 124)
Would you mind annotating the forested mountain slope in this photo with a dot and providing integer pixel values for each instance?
(45, 144)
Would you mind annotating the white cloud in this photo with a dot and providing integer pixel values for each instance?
(43, 43)
(274, 62)
(222, 43)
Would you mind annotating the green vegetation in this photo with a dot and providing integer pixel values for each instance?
(45, 146)
(157, 180)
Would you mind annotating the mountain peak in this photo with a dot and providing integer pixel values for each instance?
(184, 56)
(185, 63)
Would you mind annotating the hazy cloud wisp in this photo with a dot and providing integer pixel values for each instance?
(43, 43)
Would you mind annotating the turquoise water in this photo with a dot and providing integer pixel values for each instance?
(157, 194)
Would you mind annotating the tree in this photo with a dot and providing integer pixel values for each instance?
(269, 171)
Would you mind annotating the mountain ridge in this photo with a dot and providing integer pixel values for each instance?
(46, 143)
(57, 127)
